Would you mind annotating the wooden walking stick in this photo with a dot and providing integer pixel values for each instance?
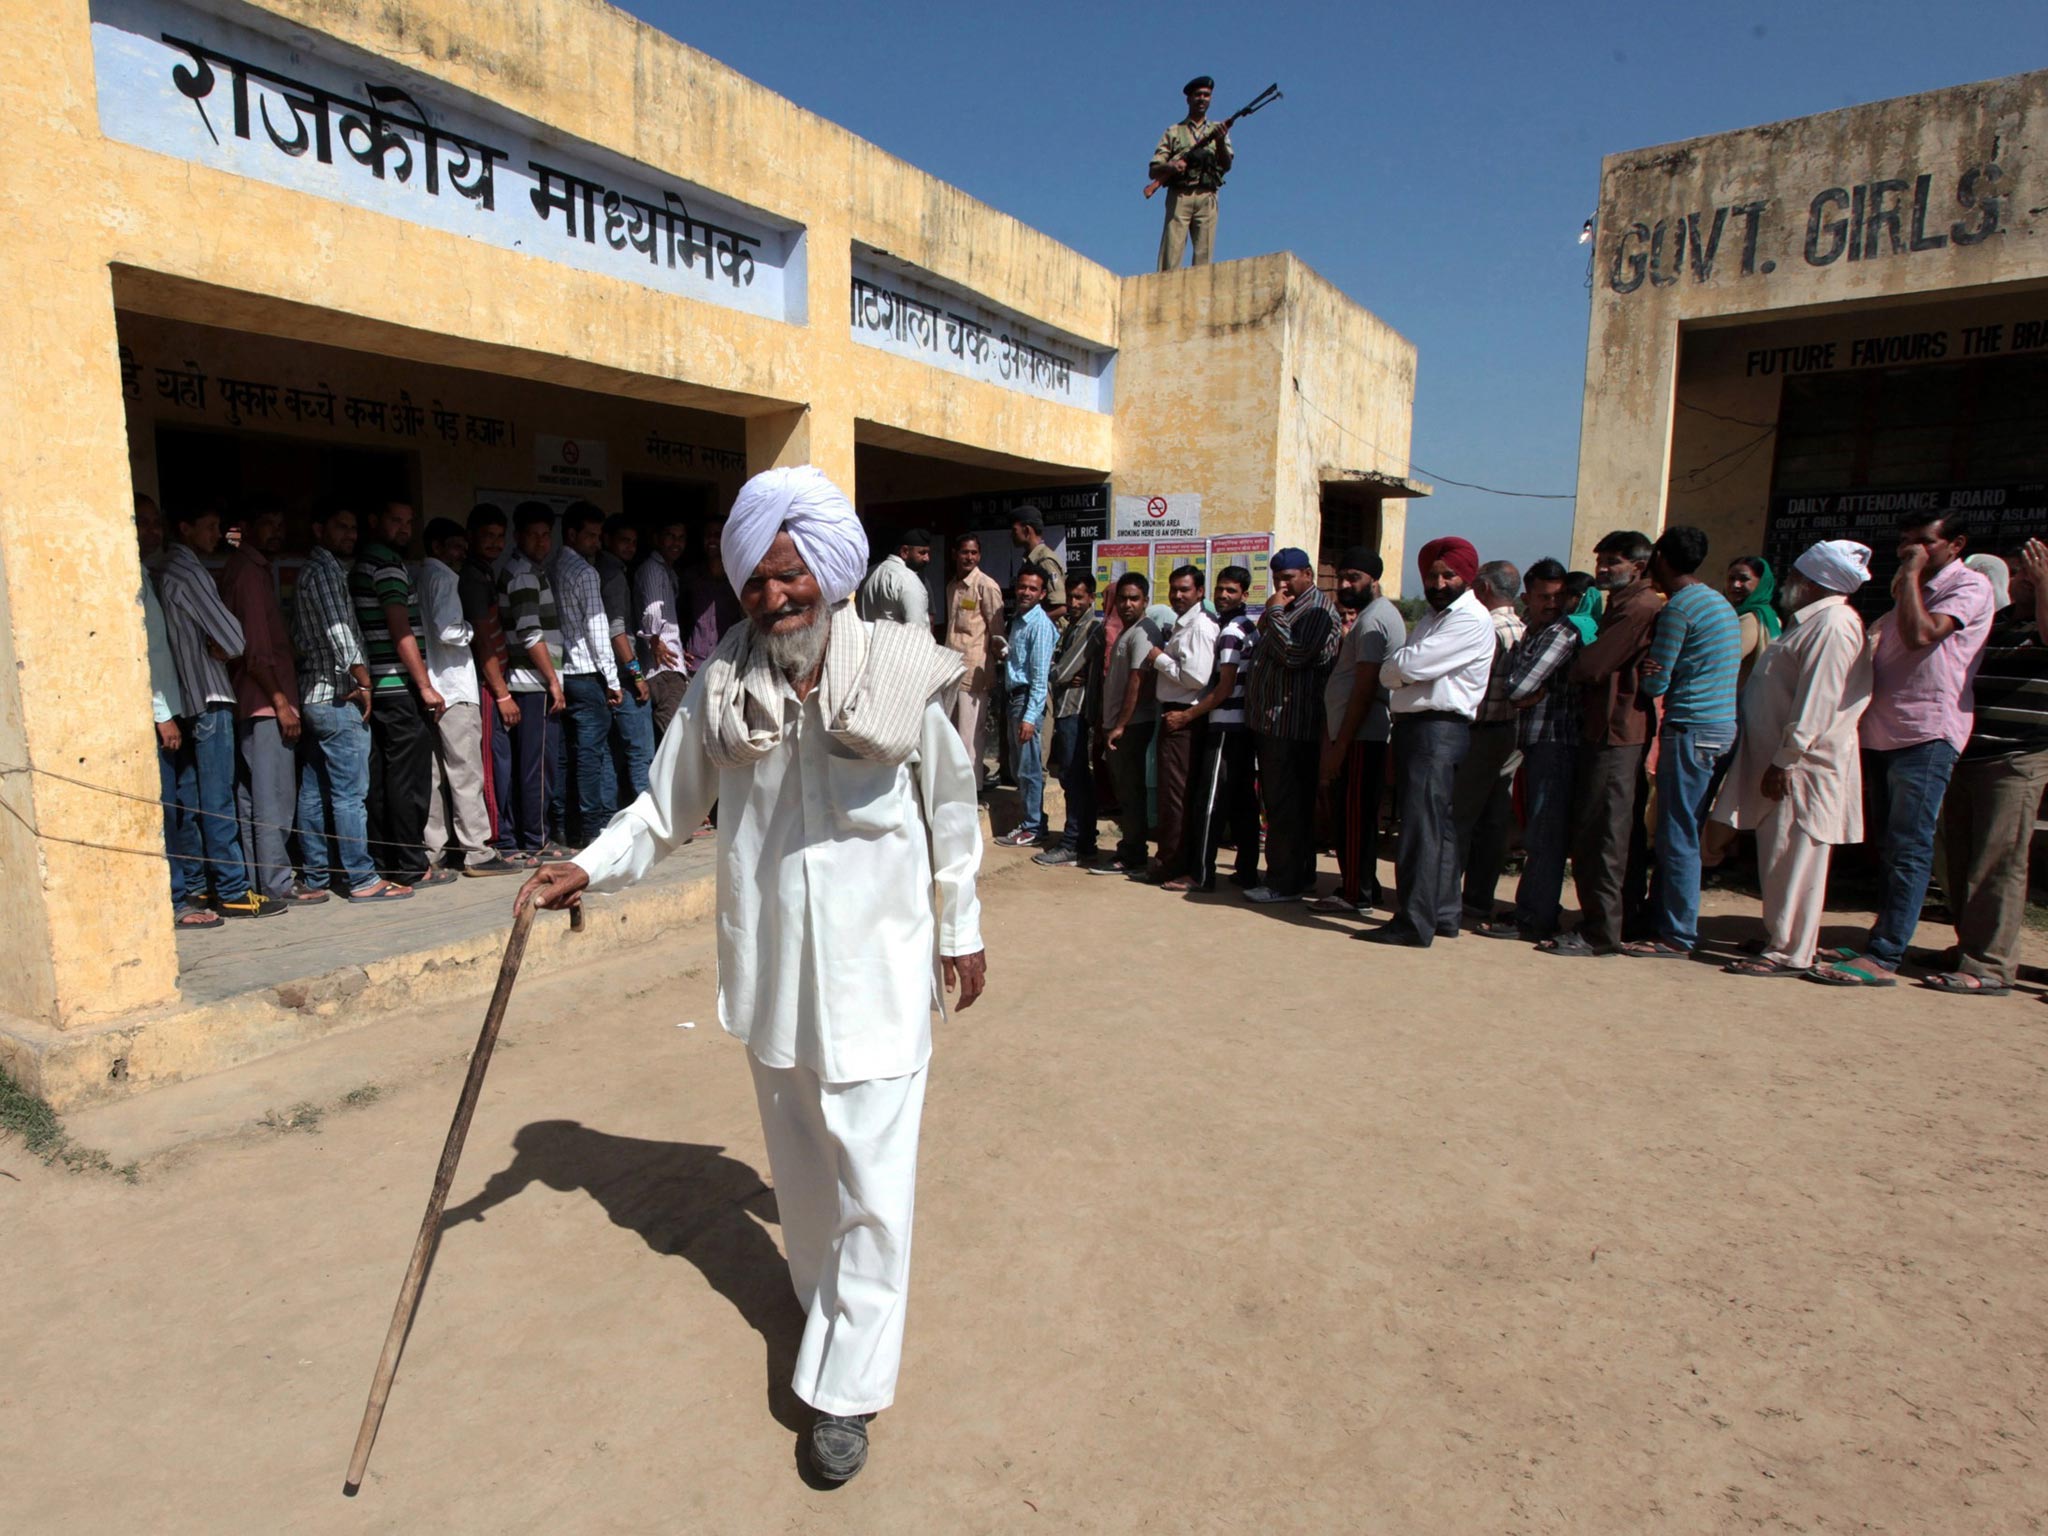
(430, 1224)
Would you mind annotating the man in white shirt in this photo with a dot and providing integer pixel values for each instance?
(456, 809)
(590, 677)
(846, 804)
(1437, 682)
(1183, 665)
(895, 589)
(655, 599)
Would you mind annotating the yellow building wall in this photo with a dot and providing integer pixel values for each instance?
(1661, 277)
(1251, 383)
(88, 224)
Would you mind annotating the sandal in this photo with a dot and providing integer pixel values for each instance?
(1853, 972)
(195, 917)
(1572, 946)
(304, 895)
(1334, 904)
(434, 877)
(1763, 968)
(1655, 949)
(1177, 883)
(1499, 928)
(383, 890)
(1963, 984)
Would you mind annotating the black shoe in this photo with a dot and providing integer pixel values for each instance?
(839, 1445)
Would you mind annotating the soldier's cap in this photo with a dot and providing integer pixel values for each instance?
(1199, 83)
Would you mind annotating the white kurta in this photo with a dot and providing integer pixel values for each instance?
(827, 865)
(1799, 712)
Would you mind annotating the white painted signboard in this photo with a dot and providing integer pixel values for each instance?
(249, 93)
(1175, 516)
(912, 314)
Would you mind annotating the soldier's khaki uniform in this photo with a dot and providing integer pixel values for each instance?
(1190, 199)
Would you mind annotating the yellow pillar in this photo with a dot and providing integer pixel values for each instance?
(803, 435)
(88, 931)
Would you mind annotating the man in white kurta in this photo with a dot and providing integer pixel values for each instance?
(1796, 779)
(845, 891)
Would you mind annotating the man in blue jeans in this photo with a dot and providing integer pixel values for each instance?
(178, 785)
(334, 739)
(1027, 675)
(1076, 705)
(1695, 654)
(1922, 707)
(204, 637)
(632, 722)
(590, 677)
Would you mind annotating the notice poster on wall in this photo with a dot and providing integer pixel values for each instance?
(1253, 551)
(1169, 555)
(1116, 558)
(1175, 516)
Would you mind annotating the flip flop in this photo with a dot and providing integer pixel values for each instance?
(196, 917)
(1856, 973)
(1655, 949)
(1570, 946)
(1963, 984)
(1762, 968)
(384, 890)
(1499, 928)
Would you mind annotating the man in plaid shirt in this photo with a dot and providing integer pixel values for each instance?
(1539, 685)
(334, 739)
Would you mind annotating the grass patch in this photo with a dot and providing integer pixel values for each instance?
(302, 1116)
(42, 1133)
(361, 1098)
(2037, 917)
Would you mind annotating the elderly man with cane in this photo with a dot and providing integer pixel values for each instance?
(847, 805)
(1796, 780)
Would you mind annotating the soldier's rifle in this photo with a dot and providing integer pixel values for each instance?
(1265, 98)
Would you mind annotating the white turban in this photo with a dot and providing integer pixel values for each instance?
(1998, 573)
(818, 516)
(1840, 565)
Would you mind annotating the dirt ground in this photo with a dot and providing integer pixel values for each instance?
(1226, 1224)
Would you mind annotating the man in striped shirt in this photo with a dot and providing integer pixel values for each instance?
(1298, 640)
(405, 705)
(334, 738)
(1694, 657)
(526, 607)
(590, 677)
(1237, 789)
(204, 638)
(1540, 687)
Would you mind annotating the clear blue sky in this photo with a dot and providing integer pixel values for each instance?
(1433, 161)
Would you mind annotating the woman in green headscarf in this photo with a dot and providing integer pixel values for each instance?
(1583, 614)
(1751, 588)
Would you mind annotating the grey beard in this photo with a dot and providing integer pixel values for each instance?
(797, 652)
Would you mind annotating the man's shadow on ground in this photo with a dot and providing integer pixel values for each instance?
(683, 1199)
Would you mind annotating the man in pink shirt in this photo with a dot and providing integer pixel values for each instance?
(266, 683)
(1918, 723)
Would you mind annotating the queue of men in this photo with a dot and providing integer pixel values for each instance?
(1629, 723)
(474, 712)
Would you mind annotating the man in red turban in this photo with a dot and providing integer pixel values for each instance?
(1456, 553)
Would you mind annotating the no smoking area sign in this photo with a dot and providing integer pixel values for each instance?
(1176, 514)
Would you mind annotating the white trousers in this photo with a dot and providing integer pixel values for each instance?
(844, 1160)
(1795, 874)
